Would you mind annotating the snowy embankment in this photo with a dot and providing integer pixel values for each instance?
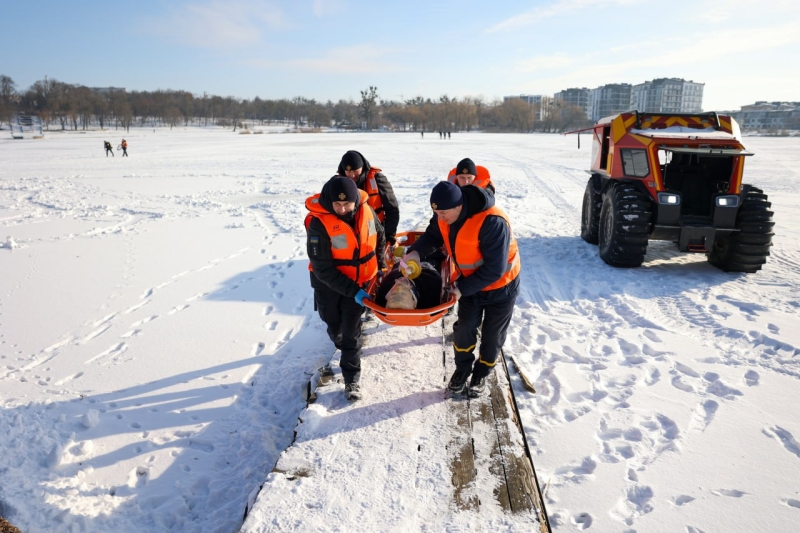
(157, 333)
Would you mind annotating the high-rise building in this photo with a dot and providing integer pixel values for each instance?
(668, 95)
(769, 116)
(574, 96)
(608, 100)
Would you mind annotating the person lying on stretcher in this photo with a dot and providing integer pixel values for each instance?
(399, 292)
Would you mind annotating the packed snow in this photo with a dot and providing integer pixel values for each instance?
(157, 335)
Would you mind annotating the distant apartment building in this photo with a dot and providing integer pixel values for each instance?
(540, 101)
(576, 97)
(769, 116)
(608, 100)
(667, 95)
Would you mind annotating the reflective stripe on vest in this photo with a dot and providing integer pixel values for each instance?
(353, 252)
(482, 179)
(468, 258)
(371, 188)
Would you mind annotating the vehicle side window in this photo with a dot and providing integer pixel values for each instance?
(634, 163)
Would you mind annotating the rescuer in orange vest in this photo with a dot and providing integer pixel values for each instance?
(345, 243)
(485, 268)
(381, 195)
(467, 173)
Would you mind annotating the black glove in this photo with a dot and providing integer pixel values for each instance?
(391, 240)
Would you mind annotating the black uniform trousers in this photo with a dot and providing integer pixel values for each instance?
(342, 315)
(496, 316)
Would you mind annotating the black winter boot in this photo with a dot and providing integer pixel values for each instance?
(476, 386)
(352, 391)
(458, 381)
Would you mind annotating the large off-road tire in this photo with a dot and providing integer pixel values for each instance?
(590, 213)
(747, 249)
(625, 220)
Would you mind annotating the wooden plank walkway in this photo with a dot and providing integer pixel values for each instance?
(489, 436)
(459, 463)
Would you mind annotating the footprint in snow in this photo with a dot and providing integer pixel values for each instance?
(682, 500)
(678, 383)
(628, 348)
(703, 415)
(635, 503)
(683, 369)
(731, 493)
(751, 378)
(651, 335)
(792, 503)
(718, 388)
(581, 521)
(137, 477)
(785, 437)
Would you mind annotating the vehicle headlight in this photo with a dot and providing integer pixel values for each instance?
(728, 201)
(669, 198)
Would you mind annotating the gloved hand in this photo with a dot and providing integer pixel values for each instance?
(361, 296)
(399, 251)
(455, 292)
(391, 240)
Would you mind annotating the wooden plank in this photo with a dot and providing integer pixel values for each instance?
(524, 468)
(488, 453)
(460, 448)
(519, 479)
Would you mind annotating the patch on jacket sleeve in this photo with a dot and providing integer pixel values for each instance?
(313, 241)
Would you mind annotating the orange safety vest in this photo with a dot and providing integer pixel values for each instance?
(353, 251)
(371, 188)
(467, 258)
(481, 180)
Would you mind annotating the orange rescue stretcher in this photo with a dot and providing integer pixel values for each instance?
(411, 317)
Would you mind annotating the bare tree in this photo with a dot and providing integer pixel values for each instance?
(8, 90)
(368, 104)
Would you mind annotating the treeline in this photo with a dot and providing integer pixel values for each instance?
(72, 107)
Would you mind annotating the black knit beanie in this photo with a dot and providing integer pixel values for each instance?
(466, 166)
(352, 160)
(446, 195)
(342, 190)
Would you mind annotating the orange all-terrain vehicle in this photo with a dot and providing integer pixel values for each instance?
(674, 177)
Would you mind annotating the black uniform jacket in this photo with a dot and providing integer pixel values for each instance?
(495, 239)
(318, 246)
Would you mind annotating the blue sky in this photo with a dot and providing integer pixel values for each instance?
(742, 50)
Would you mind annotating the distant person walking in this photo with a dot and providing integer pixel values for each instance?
(124, 146)
(422, 134)
(109, 148)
